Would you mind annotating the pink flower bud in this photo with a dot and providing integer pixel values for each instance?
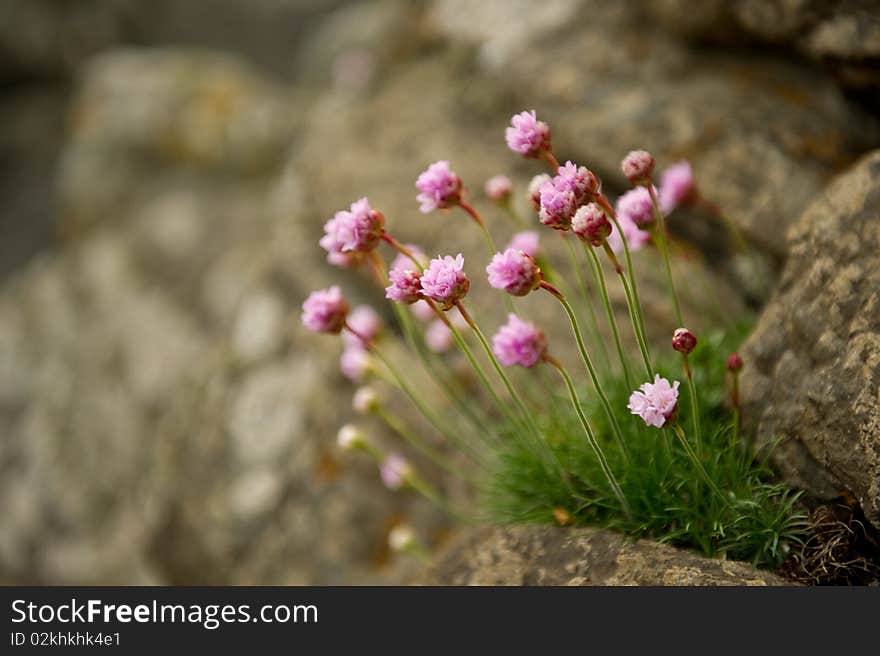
(514, 271)
(683, 340)
(535, 189)
(355, 363)
(527, 241)
(394, 471)
(637, 206)
(637, 166)
(734, 363)
(498, 188)
(591, 224)
(677, 186)
(324, 311)
(366, 323)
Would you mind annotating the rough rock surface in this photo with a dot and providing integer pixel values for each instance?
(538, 555)
(812, 365)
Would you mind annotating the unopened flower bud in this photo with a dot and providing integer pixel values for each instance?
(350, 437)
(401, 538)
(498, 188)
(734, 363)
(365, 400)
(683, 340)
(637, 166)
(590, 224)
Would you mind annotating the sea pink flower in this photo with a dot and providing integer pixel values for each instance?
(535, 189)
(527, 241)
(656, 403)
(514, 271)
(557, 206)
(324, 311)
(422, 310)
(635, 237)
(394, 471)
(498, 188)
(637, 166)
(683, 340)
(365, 322)
(439, 187)
(357, 230)
(636, 205)
(519, 342)
(677, 186)
(445, 281)
(734, 363)
(591, 224)
(354, 363)
(527, 135)
(405, 287)
(577, 179)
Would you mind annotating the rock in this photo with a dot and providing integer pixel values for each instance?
(812, 365)
(539, 555)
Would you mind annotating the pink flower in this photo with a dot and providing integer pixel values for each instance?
(440, 187)
(438, 337)
(358, 230)
(635, 238)
(535, 189)
(394, 471)
(364, 320)
(591, 224)
(557, 206)
(422, 310)
(444, 280)
(498, 188)
(514, 271)
(636, 205)
(405, 287)
(683, 340)
(343, 260)
(527, 241)
(519, 342)
(527, 135)
(577, 179)
(354, 363)
(656, 403)
(324, 311)
(677, 186)
(637, 166)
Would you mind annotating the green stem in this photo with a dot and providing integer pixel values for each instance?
(605, 362)
(679, 432)
(660, 233)
(695, 412)
(427, 491)
(487, 237)
(591, 437)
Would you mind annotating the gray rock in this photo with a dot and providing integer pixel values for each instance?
(537, 555)
(812, 365)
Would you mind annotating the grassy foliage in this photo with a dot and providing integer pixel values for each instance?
(759, 522)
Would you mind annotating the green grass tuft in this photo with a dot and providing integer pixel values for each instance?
(760, 522)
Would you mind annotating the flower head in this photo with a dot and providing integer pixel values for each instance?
(439, 187)
(637, 206)
(324, 311)
(355, 363)
(557, 206)
(656, 403)
(350, 437)
(535, 189)
(637, 166)
(577, 179)
(514, 271)
(365, 400)
(683, 340)
(357, 230)
(519, 342)
(498, 188)
(365, 322)
(445, 281)
(401, 538)
(677, 186)
(591, 224)
(527, 241)
(405, 287)
(527, 135)
(394, 471)
(734, 363)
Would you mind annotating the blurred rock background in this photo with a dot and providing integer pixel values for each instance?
(167, 167)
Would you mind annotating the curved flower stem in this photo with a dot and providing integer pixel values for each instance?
(575, 328)
(426, 490)
(395, 424)
(635, 312)
(512, 214)
(475, 215)
(660, 234)
(548, 157)
(682, 438)
(695, 411)
(526, 413)
(605, 363)
(591, 437)
(734, 401)
(599, 277)
(396, 245)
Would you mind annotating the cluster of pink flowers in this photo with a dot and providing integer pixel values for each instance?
(520, 343)
(514, 271)
(439, 187)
